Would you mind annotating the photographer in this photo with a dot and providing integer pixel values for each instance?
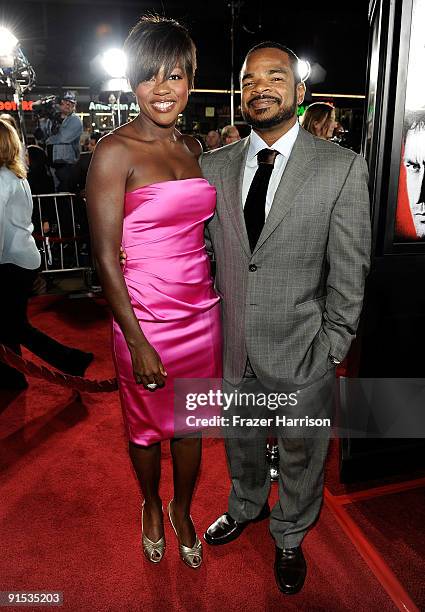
(63, 143)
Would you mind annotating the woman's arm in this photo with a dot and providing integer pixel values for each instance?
(106, 183)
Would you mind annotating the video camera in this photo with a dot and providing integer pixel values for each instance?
(48, 108)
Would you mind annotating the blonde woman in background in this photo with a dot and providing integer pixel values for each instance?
(319, 120)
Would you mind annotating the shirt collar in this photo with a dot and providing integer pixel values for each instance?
(283, 145)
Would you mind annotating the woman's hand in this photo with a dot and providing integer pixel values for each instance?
(147, 366)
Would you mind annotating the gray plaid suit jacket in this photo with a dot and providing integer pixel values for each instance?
(297, 298)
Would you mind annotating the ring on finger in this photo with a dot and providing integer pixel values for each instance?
(152, 386)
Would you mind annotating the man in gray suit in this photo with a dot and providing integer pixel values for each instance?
(291, 238)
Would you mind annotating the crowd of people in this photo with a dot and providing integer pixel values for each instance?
(284, 212)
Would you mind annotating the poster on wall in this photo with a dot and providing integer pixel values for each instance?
(410, 211)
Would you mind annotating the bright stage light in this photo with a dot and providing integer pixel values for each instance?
(8, 41)
(15, 71)
(114, 63)
(304, 69)
(8, 44)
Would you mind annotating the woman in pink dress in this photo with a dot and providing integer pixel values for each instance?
(145, 191)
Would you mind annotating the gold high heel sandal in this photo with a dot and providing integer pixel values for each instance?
(192, 556)
(154, 551)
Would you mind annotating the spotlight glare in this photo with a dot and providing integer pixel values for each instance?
(8, 41)
(114, 62)
(304, 69)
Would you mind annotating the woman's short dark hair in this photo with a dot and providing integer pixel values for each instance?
(157, 42)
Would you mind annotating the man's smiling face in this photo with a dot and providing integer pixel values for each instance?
(269, 93)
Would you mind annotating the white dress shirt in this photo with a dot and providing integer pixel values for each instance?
(284, 147)
(17, 245)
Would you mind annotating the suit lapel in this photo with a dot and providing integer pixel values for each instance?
(298, 168)
(232, 191)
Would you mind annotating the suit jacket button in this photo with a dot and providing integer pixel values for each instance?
(252, 268)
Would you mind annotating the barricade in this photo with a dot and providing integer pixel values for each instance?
(61, 232)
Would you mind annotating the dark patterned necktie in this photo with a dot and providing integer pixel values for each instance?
(254, 210)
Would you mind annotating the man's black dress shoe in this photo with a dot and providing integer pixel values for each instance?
(290, 569)
(225, 529)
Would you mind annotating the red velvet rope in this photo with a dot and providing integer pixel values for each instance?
(57, 378)
(53, 239)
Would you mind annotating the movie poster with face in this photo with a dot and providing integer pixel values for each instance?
(410, 214)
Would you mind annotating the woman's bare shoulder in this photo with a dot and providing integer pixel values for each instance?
(114, 141)
(112, 160)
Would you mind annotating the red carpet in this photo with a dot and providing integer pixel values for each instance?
(70, 510)
(394, 523)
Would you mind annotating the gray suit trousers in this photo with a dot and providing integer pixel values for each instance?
(301, 470)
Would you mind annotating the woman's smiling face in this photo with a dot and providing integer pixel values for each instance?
(162, 100)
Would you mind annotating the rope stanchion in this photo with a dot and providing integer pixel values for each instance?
(57, 378)
(56, 239)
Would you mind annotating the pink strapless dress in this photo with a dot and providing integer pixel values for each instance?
(168, 277)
